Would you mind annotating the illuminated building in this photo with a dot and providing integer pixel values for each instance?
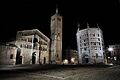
(71, 56)
(113, 54)
(30, 47)
(56, 38)
(90, 45)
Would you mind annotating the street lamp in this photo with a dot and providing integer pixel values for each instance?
(72, 60)
(110, 49)
(115, 58)
(65, 61)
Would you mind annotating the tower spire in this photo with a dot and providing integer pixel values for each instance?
(78, 26)
(56, 9)
(88, 25)
(97, 26)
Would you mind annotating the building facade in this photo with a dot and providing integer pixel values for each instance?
(71, 56)
(7, 54)
(56, 38)
(90, 45)
(113, 54)
(30, 47)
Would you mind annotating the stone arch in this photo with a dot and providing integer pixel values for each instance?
(44, 60)
(85, 58)
(18, 56)
(33, 57)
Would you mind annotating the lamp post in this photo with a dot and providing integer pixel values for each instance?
(110, 49)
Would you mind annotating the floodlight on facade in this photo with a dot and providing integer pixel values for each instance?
(110, 49)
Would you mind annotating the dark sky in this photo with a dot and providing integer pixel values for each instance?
(31, 14)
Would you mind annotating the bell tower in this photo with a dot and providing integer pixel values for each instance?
(56, 38)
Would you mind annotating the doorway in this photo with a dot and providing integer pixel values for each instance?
(44, 60)
(86, 60)
(33, 58)
(18, 57)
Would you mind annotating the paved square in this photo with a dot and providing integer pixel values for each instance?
(75, 73)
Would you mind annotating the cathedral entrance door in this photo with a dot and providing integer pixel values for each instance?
(44, 60)
(33, 58)
(18, 57)
(86, 60)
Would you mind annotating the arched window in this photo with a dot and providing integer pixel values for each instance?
(11, 56)
(96, 55)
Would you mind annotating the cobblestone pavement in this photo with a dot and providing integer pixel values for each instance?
(75, 73)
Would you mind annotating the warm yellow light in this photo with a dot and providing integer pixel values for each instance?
(108, 57)
(65, 61)
(115, 58)
(72, 59)
(110, 49)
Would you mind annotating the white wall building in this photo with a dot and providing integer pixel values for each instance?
(30, 47)
(90, 45)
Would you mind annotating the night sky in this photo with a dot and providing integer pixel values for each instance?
(32, 14)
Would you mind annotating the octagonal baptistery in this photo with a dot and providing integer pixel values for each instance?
(90, 45)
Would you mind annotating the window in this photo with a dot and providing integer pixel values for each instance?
(22, 39)
(99, 43)
(45, 43)
(95, 48)
(91, 43)
(98, 39)
(40, 48)
(98, 35)
(81, 49)
(80, 41)
(29, 39)
(11, 56)
(94, 43)
(84, 40)
(90, 34)
(86, 35)
(85, 49)
(35, 40)
(59, 19)
(24, 46)
(84, 44)
(91, 48)
(53, 19)
(80, 45)
(57, 55)
(28, 46)
(96, 55)
(21, 45)
(94, 35)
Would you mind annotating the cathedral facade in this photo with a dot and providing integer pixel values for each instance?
(90, 45)
(56, 38)
(30, 47)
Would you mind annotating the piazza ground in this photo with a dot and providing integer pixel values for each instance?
(57, 72)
